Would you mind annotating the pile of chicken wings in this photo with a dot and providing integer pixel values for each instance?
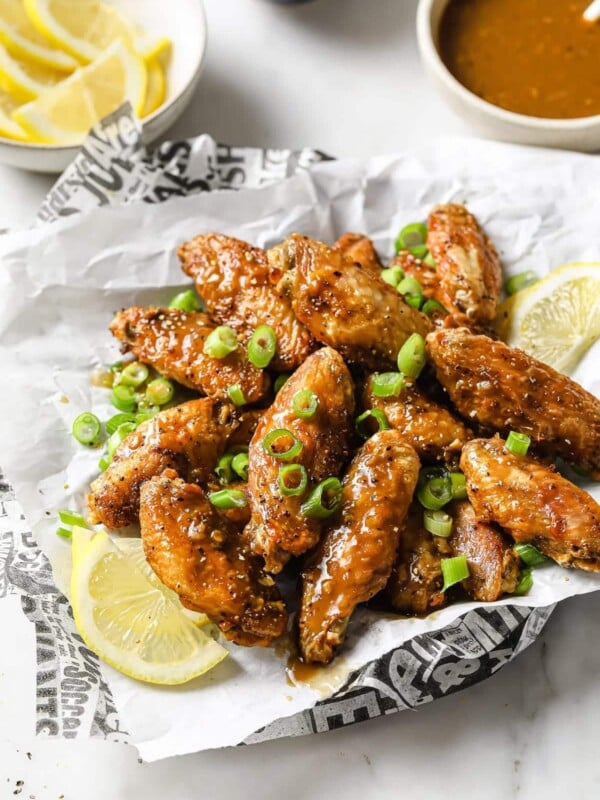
(337, 325)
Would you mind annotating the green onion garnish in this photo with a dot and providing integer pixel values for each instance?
(530, 555)
(412, 358)
(280, 380)
(119, 419)
(86, 428)
(239, 464)
(363, 424)
(412, 291)
(123, 397)
(262, 346)
(103, 464)
(412, 238)
(392, 275)
(525, 582)
(429, 260)
(438, 523)
(134, 374)
(282, 444)
(459, 485)
(435, 493)
(292, 479)
(185, 301)
(324, 499)
(454, 571)
(305, 404)
(68, 517)
(159, 392)
(224, 470)
(433, 307)
(143, 416)
(387, 384)
(64, 533)
(520, 281)
(236, 395)
(117, 437)
(518, 443)
(226, 499)
(220, 342)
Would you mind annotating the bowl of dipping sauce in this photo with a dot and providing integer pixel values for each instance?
(525, 71)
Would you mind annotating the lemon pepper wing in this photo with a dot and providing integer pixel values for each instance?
(360, 249)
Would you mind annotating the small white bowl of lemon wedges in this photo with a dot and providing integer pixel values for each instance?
(65, 64)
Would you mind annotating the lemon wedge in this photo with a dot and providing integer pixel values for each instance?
(558, 318)
(25, 80)
(23, 39)
(9, 128)
(131, 620)
(65, 113)
(80, 539)
(156, 87)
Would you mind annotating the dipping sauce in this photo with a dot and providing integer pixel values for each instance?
(534, 57)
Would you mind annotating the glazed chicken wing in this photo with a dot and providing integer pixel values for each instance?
(504, 389)
(198, 554)
(234, 280)
(434, 432)
(172, 341)
(533, 503)
(354, 559)
(349, 308)
(414, 267)
(278, 528)
(470, 276)
(360, 249)
(188, 438)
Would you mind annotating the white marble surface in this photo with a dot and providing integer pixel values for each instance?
(342, 75)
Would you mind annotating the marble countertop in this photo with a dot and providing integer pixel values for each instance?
(342, 75)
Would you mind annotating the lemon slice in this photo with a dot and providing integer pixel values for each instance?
(558, 318)
(25, 80)
(23, 40)
(80, 539)
(8, 127)
(65, 113)
(132, 621)
(156, 87)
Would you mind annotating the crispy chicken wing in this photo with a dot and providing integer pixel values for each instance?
(234, 280)
(467, 263)
(354, 559)
(347, 307)
(198, 554)
(493, 564)
(533, 503)
(188, 438)
(504, 389)
(172, 341)
(278, 529)
(360, 249)
(431, 429)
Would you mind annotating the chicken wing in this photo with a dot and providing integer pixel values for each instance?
(431, 429)
(188, 438)
(533, 503)
(198, 554)
(359, 249)
(427, 276)
(354, 559)
(467, 263)
(234, 280)
(278, 529)
(347, 307)
(504, 389)
(493, 564)
(172, 341)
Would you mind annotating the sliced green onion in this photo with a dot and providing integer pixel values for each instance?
(103, 464)
(64, 533)
(454, 571)
(411, 357)
(185, 301)
(518, 443)
(530, 555)
(387, 384)
(363, 423)
(86, 428)
(294, 474)
(117, 437)
(324, 500)
(117, 366)
(430, 261)
(144, 416)
(119, 419)
(224, 470)
(433, 307)
(220, 342)
(520, 281)
(280, 380)
(262, 346)
(435, 493)
(392, 275)
(68, 517)
(228, 498)
(414, 300)
(236, 395)
(123, 397)
(239, 464)
(147, 407)
(412, 238)
(159, 392)
(282, 444)
(459, 485)
(305, 404)
(412, 291)
(525, 582)
(134, 374)
(438, 523)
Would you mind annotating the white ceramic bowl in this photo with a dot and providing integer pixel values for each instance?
(184, 22)
(573, 134)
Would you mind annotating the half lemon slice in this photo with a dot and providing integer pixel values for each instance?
(23, 39)
(131, 620)
(558, 318)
